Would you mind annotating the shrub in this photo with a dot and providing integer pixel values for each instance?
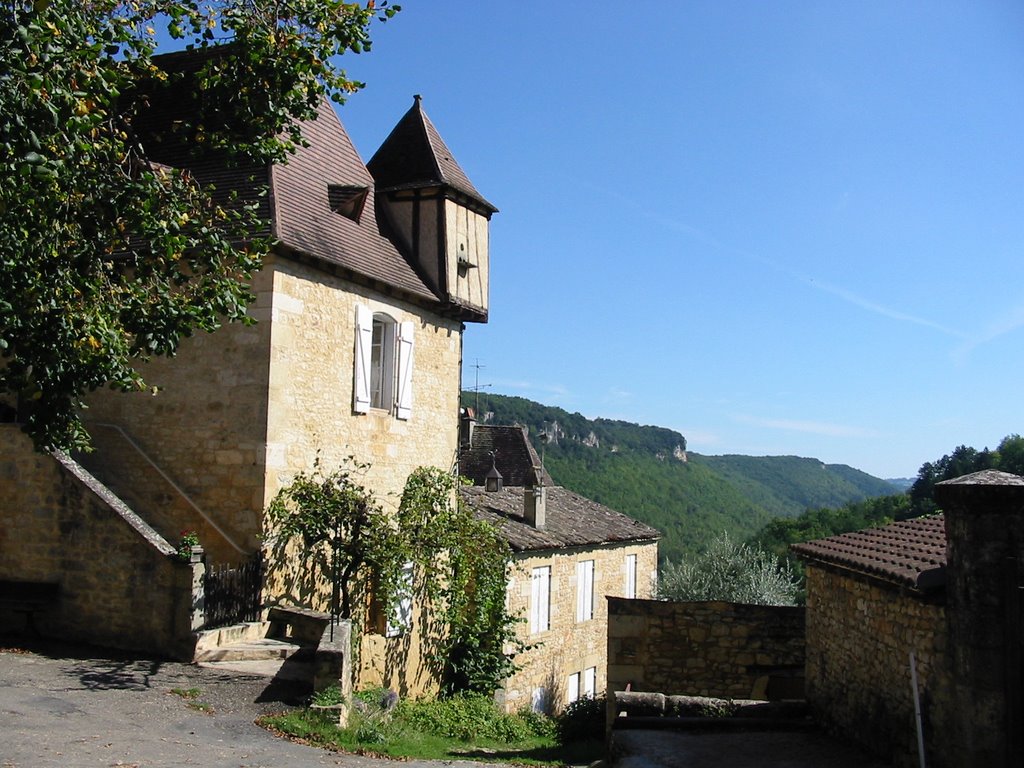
(581, 720)
(466, 717)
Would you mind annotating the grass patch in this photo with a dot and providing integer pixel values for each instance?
(191, 697)
(460, 728)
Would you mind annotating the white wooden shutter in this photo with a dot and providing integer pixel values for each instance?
(631, 577)
(540, 586)
(584, 590)
(574, 687)
(590, 682)
(364, 345)
(403, 402)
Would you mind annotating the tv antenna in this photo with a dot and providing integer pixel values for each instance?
(477, 386)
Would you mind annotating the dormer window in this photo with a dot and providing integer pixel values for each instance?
(348, 201)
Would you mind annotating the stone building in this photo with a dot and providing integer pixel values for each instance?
(357, 350)
(946, 589)
(570, 554)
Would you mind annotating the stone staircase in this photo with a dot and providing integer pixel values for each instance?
(293, 644)
(246, 648)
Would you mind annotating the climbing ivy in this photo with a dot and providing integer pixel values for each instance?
(460, 564)
(466, 562)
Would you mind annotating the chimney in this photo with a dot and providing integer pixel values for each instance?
(535, 500)
(467, 422)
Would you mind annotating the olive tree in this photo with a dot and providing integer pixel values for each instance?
(730, 571)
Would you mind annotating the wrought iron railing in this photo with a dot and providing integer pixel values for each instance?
(232, 593)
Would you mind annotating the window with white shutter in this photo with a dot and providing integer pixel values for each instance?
(540, 592)
(403, 402)
(573, 688)
(584, 590)
(590, 682)
(383, 364)
(363, 356)
(402, 621)
(630, 576)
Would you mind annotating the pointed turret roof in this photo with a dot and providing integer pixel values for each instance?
(414, 155)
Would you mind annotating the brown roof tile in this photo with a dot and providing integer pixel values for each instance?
(305, 222)
(572, 520)
(414, 155)
(910, 553)
(513, 455)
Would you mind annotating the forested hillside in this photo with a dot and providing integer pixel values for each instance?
(645, 472)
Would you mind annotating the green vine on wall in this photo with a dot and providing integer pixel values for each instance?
(460, 564)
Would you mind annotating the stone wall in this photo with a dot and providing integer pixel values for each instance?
(120, 584)
(568, 646)
(859, 638)
(718, 649)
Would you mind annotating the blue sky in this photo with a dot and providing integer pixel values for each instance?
(779, 228)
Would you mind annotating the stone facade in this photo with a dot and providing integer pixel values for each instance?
(120, 584)
(569, 647)
(717, 649)
(236, 414)
(859, 637)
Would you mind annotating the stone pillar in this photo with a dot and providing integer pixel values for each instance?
(984, 515)
(332, 664)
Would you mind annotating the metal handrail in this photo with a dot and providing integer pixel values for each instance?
(176, 487)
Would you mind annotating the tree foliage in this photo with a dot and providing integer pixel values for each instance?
(108, 256)
(731, 571)
(343, 531)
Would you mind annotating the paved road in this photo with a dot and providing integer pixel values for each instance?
(66, 707)
(69, 708)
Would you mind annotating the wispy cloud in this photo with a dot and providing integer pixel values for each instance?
(879, 309)
(527, 386)
(710, 239)
(824, 428)
(1009, 322)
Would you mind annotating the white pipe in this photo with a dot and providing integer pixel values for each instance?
(175, 486)
(917, 709)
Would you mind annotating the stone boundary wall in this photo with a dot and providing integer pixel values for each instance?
(721, 649)
(120, 584)
(859, 637)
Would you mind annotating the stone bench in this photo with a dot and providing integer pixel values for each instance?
(313, 631)
(28, 598)
(301, 626)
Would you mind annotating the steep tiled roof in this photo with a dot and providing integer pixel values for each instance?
(513, 455)
(910, 553)
(298, 206)
(304, 221)
(414, 155)
(572, 520)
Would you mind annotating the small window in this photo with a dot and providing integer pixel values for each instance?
(630, 577)
(383, 364)
(348, 201)
(584, 590)
(540, 592)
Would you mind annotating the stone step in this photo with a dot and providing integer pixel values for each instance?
(248, 650)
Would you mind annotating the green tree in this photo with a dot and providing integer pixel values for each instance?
(107, 257)
(731, 571)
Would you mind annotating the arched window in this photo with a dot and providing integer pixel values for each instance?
(383, 364)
